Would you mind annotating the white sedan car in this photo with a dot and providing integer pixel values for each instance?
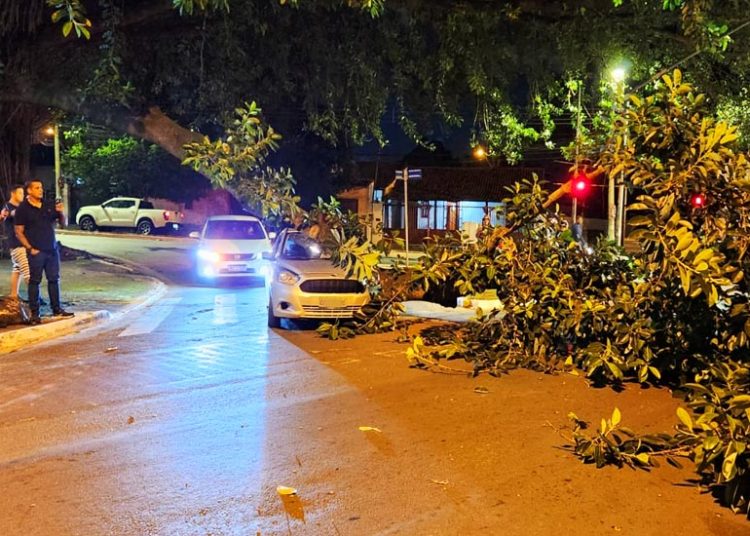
(303, 283)
(231, 246)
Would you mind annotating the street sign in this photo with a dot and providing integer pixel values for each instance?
(413, 174)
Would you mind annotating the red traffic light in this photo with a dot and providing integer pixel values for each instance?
(698, 200)
(580, 186)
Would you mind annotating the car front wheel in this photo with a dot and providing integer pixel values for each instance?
(273, 320)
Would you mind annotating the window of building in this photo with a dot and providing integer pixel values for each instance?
(471, 211)
(474, 211)
(435, 214)
(349, 205)
(393, 214)
(377, 196)
(426, 215)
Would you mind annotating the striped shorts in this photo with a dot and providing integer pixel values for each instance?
(20, 262)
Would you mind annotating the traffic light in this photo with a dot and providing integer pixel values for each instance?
(698, 200)
(580, 186)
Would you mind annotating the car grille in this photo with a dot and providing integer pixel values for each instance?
(315, 311)
(237, 256)
(332, 286)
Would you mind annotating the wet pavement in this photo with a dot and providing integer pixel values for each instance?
(185, 417)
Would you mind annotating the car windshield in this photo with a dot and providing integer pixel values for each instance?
(234, 230)
(299, 246)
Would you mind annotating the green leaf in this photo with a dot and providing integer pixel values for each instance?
(615, 370)
(616, 417)
(684, 417)
(728, 468)
(740, 402)
(67, 27)
(655, 372)
(704, 255)
(684, 242)
(685, 280)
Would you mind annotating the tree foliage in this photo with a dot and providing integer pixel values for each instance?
(236, 162)
(320, 66)
(675, 313)
(102, 169)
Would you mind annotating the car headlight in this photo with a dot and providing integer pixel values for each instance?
(208, 255)
(287, 277)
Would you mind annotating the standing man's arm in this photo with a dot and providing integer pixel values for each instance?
(21, 235)
(60, 209)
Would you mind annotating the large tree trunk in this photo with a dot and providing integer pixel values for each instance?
(18, 124)
(152, 125)
(159, 129)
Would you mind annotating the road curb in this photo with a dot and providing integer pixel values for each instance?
(157, 237)
(49, 329)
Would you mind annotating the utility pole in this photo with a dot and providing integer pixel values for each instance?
(404, 175)
(611, 210)
(614, 213)
(61, 190)
(405, 178)
(620, 224)
(620, 213)
(578, 152)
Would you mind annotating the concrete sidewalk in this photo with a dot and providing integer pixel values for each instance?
(94, 289)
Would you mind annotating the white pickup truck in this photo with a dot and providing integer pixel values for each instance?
(129, 212)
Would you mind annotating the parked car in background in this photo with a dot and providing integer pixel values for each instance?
(128, 212)
(231, 246)
(303, 283)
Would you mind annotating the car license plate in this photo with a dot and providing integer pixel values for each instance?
(331, 301)
(236, 268)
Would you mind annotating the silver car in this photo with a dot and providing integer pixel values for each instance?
(303, 283)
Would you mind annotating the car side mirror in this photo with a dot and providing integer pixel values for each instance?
(272, 235)
(194, 234)
(267, 255)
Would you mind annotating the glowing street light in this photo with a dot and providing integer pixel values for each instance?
(618, 74)
(479, 152)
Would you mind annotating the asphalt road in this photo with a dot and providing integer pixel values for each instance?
(170, 257)
(185, 418)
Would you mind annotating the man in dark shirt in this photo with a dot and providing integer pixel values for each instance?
(18, 256)
(35, 230)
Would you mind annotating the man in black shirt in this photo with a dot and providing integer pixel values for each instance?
(35, 231)
(20, 267)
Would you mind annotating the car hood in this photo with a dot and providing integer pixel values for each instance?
(89, 207)
(236, 246)
(313, 269)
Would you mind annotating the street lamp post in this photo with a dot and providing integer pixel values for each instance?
(574, 212)
(615, 210)
(61, 191)
(405, 178)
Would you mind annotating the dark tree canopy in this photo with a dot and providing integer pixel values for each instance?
(328, 70)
